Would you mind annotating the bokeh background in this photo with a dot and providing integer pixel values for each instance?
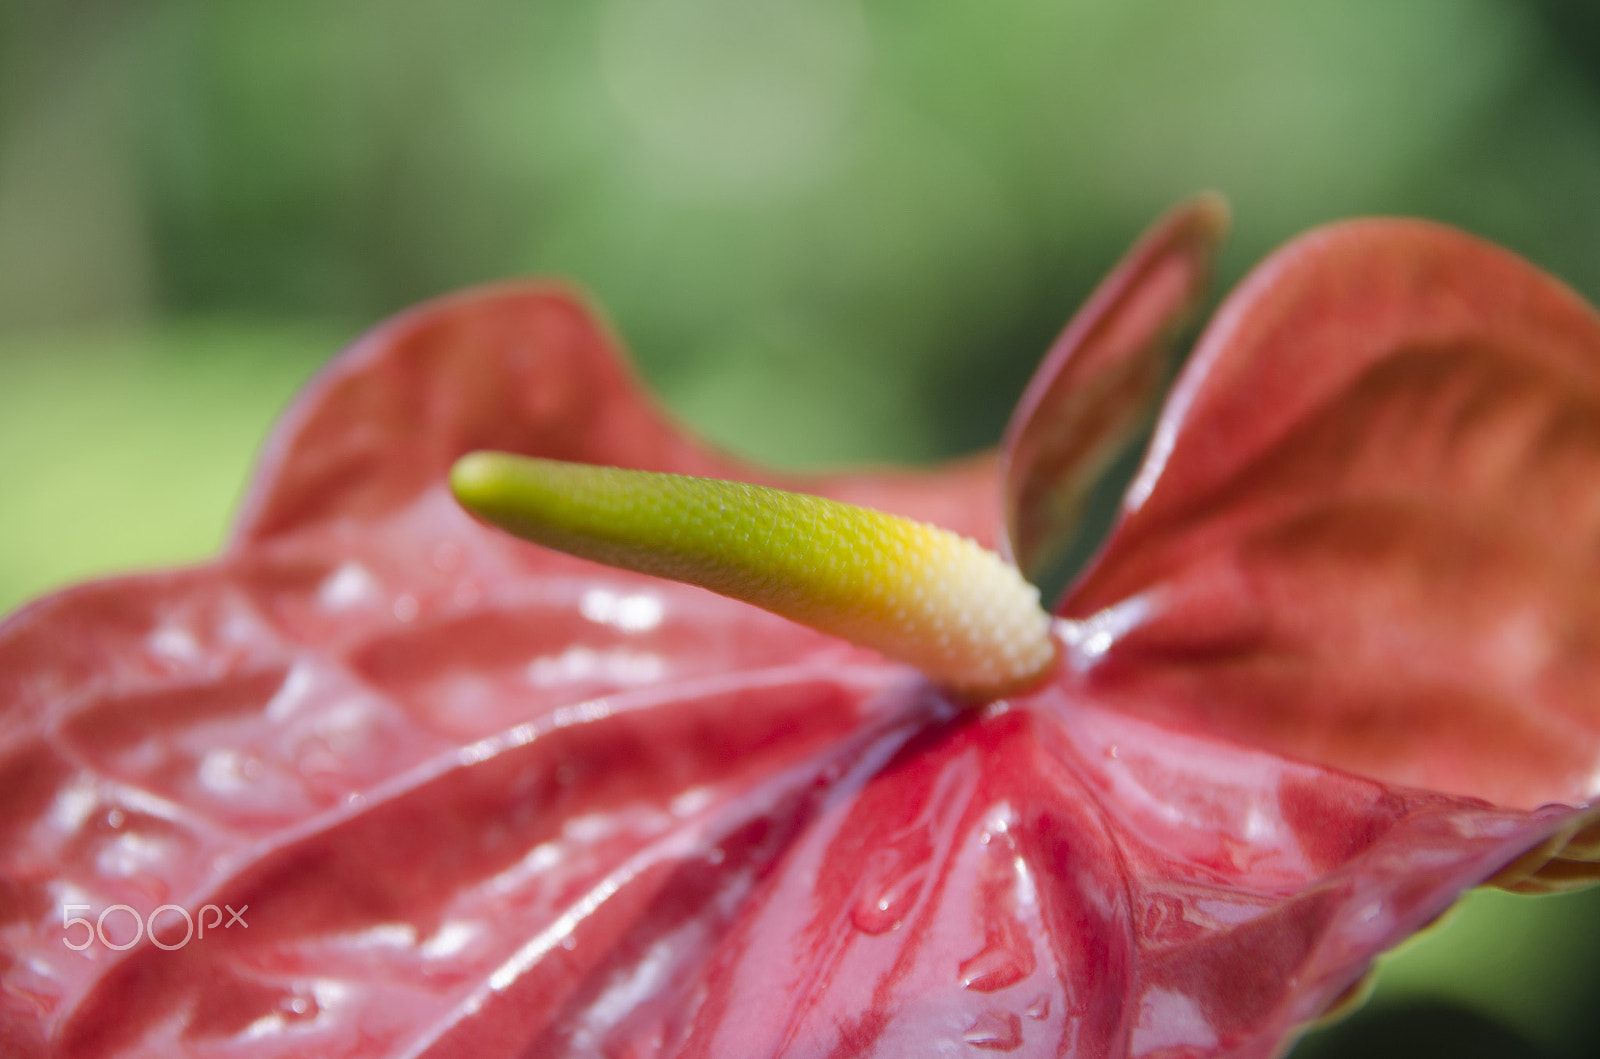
(830, 230)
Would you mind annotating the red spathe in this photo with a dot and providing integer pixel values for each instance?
(484, 800)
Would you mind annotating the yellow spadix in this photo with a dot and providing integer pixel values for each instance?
(917, 593)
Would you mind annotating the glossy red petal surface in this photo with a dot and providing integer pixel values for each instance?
(1369, 528)
(1057, 879)
(478, 799)
(320, 692)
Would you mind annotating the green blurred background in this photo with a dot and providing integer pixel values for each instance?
(831, 231)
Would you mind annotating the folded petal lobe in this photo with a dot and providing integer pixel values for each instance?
(1099, 381)
(1367, 525)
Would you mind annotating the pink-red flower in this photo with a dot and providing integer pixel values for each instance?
(1337, 663)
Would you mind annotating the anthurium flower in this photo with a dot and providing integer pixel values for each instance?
(381, 780)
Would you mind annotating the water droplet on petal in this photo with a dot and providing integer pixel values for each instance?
(299, 1006)
(995, 1031)
(996, 967)
(881, 908)
(1040, 1008)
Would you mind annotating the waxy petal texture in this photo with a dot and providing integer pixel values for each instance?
(1368, 532)
(473, 798)
(321, 692)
